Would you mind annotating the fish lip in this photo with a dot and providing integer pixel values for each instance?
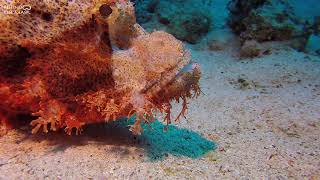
(193, 68)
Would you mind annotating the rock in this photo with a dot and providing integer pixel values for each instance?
(239, 10)
(264, 20)
(216, 45)
(220, 39)
(313, 44)
(145, 10)
(250, 49)
(188, 20)
(190, 27)
(184, 20)
(316, 25)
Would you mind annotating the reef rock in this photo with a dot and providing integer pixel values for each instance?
(250, 49)
(145, 9)
(264, 20)
(187, 20)
(313, 45)
(316, 25)
(71, 63)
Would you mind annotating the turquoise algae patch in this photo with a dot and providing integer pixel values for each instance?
(159, 143)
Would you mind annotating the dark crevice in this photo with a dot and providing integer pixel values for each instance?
(13, 65)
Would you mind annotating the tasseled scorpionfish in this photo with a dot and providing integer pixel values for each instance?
(71, 63)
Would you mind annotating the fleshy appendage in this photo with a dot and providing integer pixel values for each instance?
(50, 113)
(184, 86)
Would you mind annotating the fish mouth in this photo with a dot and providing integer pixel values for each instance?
(184, 84)
(186, 80)
(192, 69)
(187, 76)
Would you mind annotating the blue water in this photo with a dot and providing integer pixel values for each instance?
(166, 14)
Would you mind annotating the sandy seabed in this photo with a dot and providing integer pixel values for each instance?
(263, 114)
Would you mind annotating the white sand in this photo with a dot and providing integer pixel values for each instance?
(270, 130)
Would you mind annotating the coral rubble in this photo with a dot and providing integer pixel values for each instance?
(264, 20)
(71, 63)
(250, 49)
(187, 20)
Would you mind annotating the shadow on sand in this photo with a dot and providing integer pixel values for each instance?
(156, 142)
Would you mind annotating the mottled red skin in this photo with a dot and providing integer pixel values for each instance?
(68, 83)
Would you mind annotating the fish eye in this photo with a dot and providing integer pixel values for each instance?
(105, 10)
